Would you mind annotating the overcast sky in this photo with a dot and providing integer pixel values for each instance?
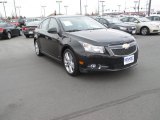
(32, 8)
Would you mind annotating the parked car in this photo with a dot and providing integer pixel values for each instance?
(28, 20)
(8, 30)
(82, 44)
(143, 25)
(115, 23)
(14, 22)
(28, 30)
(154, 18)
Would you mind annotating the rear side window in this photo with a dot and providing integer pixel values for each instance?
(44, 24)
(124, 19)
(156, 18)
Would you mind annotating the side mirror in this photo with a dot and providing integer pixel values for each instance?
(53, 30)
(106, 25)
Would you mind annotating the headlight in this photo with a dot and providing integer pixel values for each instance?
(123, 28)
(92, 48)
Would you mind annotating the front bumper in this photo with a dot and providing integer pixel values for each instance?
(105, 63)
(154, 30)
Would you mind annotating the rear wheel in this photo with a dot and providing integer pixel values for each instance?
(70, 63)
(144, 31)
(9, 36)
(37, 49)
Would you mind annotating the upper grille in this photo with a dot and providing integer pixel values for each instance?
(123, 51)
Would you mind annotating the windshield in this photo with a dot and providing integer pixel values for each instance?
(143, 19)
(14, 20)
(2, 24)
(114, 20)
(71, 24)
(33, 23)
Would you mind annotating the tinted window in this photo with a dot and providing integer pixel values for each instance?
(132, 19)
(124, 19)
(44, 25)
(53, 23)
(156, 18)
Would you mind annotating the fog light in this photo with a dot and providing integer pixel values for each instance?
(93, 66)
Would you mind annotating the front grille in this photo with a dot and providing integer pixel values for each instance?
(123, 51)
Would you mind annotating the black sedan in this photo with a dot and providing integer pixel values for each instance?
(114, 23)
(28, 30)
(82, 44)
(8, 31)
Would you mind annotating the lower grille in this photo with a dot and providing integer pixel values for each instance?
(123, 51)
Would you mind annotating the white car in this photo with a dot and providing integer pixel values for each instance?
(143, 25)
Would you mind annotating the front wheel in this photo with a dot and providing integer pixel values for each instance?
(37, 49)
(144, 31)
(9, 36)
(70, 63)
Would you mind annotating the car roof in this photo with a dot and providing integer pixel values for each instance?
(67, 16)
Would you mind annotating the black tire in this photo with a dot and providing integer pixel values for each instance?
(20, 33)
(37, 49)
(9, 36)
(75, 71)
(27, 36)
(144, 31)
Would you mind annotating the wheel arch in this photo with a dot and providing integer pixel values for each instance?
(144, 27)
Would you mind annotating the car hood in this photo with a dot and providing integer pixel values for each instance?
(102, 36)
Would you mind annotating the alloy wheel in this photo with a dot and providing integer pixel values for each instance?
(69, 62)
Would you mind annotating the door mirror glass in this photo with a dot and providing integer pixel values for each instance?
(53, 30)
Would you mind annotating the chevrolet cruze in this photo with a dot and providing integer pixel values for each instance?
(82, 44)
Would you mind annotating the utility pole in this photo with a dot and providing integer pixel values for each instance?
(149, 8)
(98, 7)
(4, 7)
(86, 9)
(80, 7)
(66, 9)
(138, 6)
(102, 6)
(15, 8)
(135, 2)
(59, 3)
(43, 7)
(119, 8)
(19, 7)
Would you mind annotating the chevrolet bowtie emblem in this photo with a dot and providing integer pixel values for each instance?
(125, 46)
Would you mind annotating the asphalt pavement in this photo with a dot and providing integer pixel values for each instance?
(38, 88)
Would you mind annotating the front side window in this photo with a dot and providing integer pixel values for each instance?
(44, 24)
(53, 23)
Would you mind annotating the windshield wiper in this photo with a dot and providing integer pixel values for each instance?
(94, 28)
(75, 30)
